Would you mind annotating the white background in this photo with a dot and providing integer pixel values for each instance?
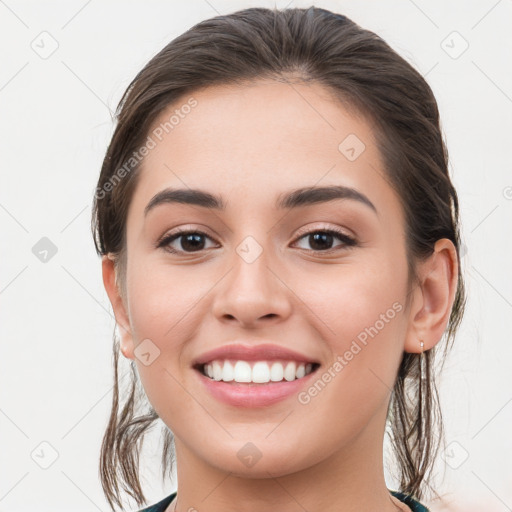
(55, 319)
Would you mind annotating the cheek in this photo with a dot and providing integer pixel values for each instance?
(359, 313)
(163, 302)
(355, 297)
(168, 304)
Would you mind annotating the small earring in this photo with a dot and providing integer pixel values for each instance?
(423, 376)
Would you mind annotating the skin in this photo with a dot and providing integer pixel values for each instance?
(249, 144)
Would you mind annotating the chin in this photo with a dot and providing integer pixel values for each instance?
(248, 461)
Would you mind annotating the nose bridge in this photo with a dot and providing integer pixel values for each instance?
(251, 267)
(251, 289)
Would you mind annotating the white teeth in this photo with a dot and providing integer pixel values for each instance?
(242, 371)
(276, 372)
(260, 372)
(217, 370)
(289, 371)
(228, 372)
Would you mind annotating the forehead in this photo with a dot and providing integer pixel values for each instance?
(256, 140)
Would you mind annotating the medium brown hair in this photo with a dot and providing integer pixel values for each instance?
(366, 74)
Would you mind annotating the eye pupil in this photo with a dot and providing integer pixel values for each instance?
(316, 237)
(194, 241)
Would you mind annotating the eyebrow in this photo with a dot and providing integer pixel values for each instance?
(292, 199)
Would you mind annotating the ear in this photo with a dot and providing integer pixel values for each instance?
(114, 294)
(433, 297)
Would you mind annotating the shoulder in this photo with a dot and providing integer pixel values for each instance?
(161, 505)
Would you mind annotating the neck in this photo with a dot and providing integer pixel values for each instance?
(350, 479)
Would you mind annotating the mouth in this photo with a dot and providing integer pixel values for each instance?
(255, 384)
(255, 372)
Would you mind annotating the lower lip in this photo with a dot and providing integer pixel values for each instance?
(251, 394)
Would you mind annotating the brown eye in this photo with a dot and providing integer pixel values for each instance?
(187, 242)
(322, 240)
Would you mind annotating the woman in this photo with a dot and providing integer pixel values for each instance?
(280, 244)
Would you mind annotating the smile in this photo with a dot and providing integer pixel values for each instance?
(254, 384)
(257, 372)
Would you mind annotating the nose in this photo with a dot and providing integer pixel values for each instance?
(253, 293)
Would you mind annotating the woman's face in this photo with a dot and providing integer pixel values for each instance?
(265, 272)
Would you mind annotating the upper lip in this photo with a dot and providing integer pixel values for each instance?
(262, 352)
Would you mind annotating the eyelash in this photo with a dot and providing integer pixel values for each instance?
(348, 241)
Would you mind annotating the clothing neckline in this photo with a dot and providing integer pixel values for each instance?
(412, 503)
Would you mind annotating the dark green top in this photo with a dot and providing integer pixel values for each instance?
(414, 505)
